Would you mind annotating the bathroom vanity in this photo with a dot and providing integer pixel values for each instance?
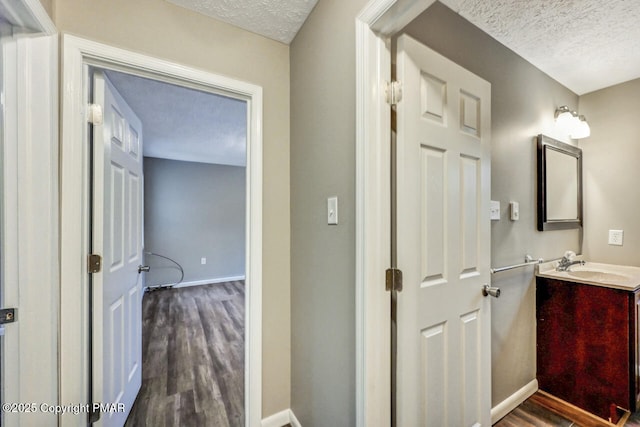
(588, 326)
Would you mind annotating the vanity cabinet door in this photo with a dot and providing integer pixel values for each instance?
(634, 347)
(583, 351)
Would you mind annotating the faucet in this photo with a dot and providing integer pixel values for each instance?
(566, 262)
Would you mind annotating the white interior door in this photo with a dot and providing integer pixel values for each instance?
(444, 366)
(117, 235)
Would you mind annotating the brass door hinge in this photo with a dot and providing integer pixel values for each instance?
(94, 263)
(393, 279)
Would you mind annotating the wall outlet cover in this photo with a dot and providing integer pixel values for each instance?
(616, 237)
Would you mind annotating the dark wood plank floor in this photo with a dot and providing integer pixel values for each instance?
(531, 414)
(192, 357)
(540, 411)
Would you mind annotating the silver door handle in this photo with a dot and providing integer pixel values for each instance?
(489, 290)
(144, 268)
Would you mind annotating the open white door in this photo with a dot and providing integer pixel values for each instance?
(444, 366)
(117, 236)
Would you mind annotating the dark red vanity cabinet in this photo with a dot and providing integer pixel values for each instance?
(587, 344)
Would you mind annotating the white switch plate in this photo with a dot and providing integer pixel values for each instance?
(332, 211)
(203, 261)
(495, 210)
(514, 208)
(616, 237)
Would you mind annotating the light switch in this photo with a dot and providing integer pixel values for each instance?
(332, 211)
(495, 211)
(203, 260)
(514, 207)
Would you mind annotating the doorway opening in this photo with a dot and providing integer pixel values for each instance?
(81, 377)
(168, 213)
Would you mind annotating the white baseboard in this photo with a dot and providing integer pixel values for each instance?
(202, 282)
(280, 419)
(512, 402)
(498, 412)
(294, 421)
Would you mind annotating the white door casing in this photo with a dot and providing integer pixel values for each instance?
(444, 322)
(117, 235)
(78, 54)
(29, 157)
(376, 23)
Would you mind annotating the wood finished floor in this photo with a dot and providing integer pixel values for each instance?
(530, 414)
(533, 413)
(192, 357)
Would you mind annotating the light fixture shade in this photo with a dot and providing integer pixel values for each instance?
(581, 129)
(565, 119)
(570, 123)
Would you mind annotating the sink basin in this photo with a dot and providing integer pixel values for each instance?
(594, 273)
(598, 276)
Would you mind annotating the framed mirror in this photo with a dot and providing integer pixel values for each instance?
(559, 185)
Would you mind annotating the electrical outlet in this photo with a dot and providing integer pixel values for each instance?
(203, 260)
(616, 237)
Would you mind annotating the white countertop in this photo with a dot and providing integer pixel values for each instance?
(592, 273)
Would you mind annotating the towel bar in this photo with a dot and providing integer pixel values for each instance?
(528, 260)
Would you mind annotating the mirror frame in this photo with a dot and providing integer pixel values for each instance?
(544, 223)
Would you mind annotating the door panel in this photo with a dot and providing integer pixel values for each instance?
(433, 215)
(117, 233)
(443, 241)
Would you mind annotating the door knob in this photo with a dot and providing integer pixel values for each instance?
(142, 268)
(490, 290)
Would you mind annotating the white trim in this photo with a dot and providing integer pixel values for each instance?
(74, 221)
(377, 20)
(41, 17)
(200, 282)
(512, 402)
(372, 236)
(28, 16)
(280, 419)
(30, 223)
(294, 421)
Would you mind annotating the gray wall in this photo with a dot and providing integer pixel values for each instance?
(611, 175)
(194, 210)
(523, 103)
(323, 257)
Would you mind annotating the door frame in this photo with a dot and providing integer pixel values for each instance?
(375, 24)
(77, 55)
(29, 208)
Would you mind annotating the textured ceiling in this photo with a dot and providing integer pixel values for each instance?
(185, 124)
(276, 19)
(584, 44)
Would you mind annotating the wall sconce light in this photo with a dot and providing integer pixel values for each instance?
(581, 130)
(574, 125)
